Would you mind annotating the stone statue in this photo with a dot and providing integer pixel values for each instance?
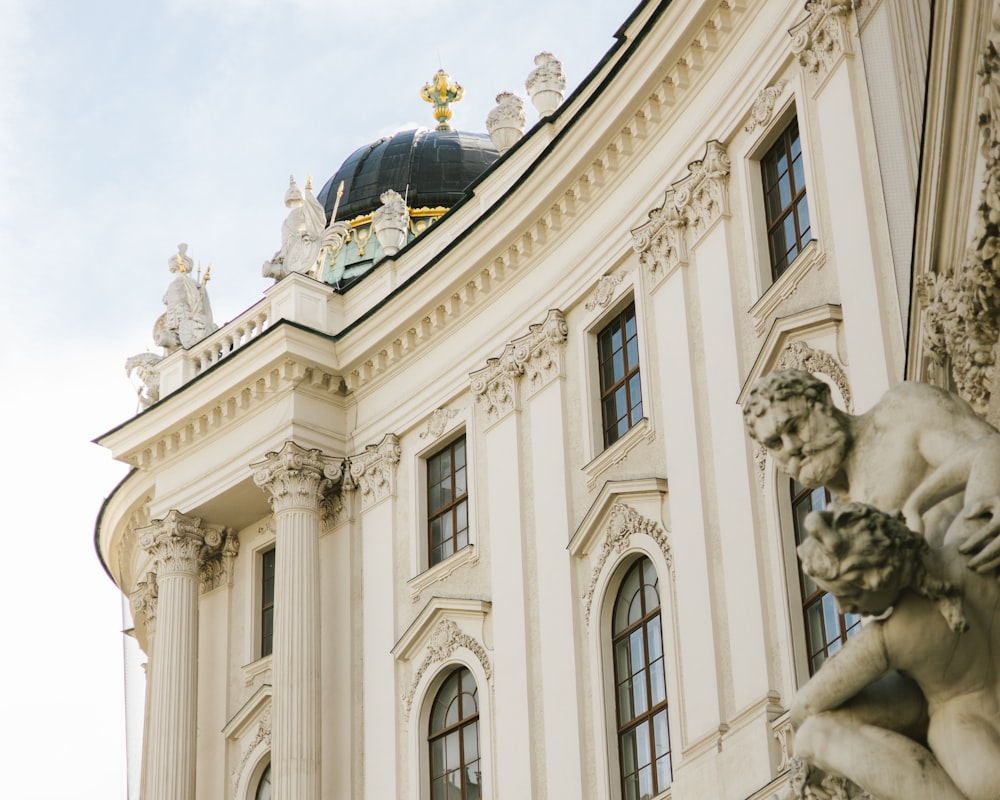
(301, 234)
(390, 222)
(142, 368)
(188, 317)
(920, 450)
(937, 623)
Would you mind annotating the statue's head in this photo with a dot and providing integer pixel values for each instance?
(293, 197)
(862, 556)
(791, 413)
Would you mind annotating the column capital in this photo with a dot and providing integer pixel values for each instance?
(294, 477)
(822, 37)
(178, 543)
(142, 600)
(374, 471)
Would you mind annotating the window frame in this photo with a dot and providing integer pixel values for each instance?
(631, 372)
(464, 722)
(261, 604)
(781, 140)
(451, 508)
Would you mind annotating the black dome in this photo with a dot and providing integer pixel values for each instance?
(430, 168)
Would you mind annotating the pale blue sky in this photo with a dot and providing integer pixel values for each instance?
(125, 128)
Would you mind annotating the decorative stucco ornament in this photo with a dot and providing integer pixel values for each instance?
(142, 370)
(505, 123)
(390, 222)
(546, 84)
(925, 451)
(188, 317)
(441, 92)
(301, 234)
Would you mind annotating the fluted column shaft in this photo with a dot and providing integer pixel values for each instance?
(176, 543)
(296, 480)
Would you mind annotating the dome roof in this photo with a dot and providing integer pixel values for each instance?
(430, 168)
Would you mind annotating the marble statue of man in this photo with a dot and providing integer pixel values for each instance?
(936, 621)
(188, 317)
(301, 234)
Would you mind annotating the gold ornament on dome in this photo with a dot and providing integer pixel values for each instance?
(441, 92)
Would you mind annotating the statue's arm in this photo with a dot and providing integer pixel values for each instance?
(946, 479)
(861, 661)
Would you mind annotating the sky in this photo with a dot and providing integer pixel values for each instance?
(126, 127)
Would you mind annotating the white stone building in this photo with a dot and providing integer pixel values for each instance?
(479, 518)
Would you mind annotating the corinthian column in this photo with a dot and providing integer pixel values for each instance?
(296, 481)
(177, 543)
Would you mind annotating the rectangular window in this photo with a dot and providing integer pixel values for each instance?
(618, 362)
(826, 628)
(447, 502)
(788, 228)
(267, 603)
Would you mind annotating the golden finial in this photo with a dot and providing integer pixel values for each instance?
(309, 183)
(208, 274)
(181, 266)
(441, 92)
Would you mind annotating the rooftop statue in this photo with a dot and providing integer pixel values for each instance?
(939, 627)
(142, 369)
(301, 234)
(920, 450)
(188, 317)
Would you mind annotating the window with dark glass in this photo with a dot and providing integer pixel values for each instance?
(788, 229)
(264, 787)
(453, 739)
(826, 628)
(618, 356)
(447, 502)
(267, 603)
(640, 685)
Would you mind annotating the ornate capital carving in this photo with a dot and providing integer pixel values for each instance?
(537, 355)
(217, 568)
(689, 208)
(142, 601)
(625, 522)
(374, 471)
(445, 639)
(179, 543)
(763, 106)
(961, 320)
(822, 37)
(296, 477)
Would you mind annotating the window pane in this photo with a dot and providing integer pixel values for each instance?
(459, 451)
(797, 174)
(657, 683)
(655, 638)
(663, 773)
(646, 783)
(439, 789)
(460, 482)
(661, 734)
(470, 741)
(438, 765)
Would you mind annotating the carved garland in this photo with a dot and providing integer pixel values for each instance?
(537, 355)
(604, 291)
(446, 638)
(961, 323)
(625, 521)
(689, 208)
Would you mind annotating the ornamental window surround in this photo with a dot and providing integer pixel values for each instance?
(786, 207)
(618, 375)
(826, 628)
(453, 739)
(644, 749)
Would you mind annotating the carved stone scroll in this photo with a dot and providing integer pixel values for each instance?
(822, 37)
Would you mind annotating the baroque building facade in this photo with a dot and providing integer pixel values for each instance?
(471, 512)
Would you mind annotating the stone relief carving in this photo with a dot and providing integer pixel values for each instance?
(301, 233)
(763, 107)
(263, 734)
(505, 122)
(820, 39)
(961, 323)
(141, 369)
(445, 639)
(374, 471)
(217, 568)
(546, 84)
(689, 208)
(537, 355)
(604, 291)
(925, 451)
(296, 476)
(438, 422)
(625, 522)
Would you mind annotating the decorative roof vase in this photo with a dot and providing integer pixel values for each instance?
(505, 123)
(546, 84)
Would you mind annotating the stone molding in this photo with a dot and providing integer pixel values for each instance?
(763, 106)
(690, 207)
(444, 640)
(625, 522)
(438, 422)
(294, 477)
(374, 471)
(961, 318)
(537, 356)
(179, 544)
(822, 37)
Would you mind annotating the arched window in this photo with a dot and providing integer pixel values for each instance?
(453, 739)
(264, 787)
(640, 685)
